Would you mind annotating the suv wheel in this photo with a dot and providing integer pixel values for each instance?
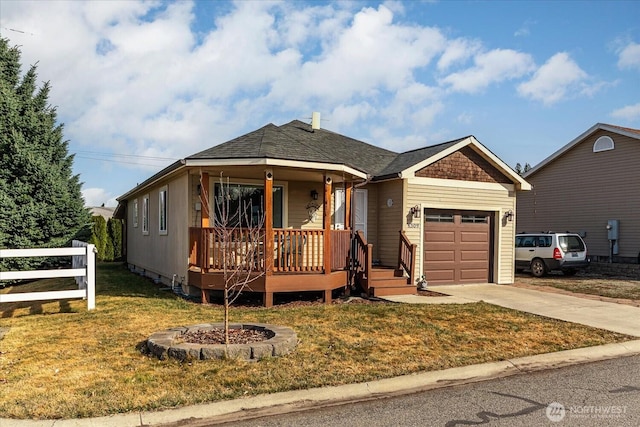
(538, 269)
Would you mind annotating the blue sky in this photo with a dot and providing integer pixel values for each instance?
(140, 84)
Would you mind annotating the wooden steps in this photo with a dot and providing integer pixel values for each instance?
(388, 281)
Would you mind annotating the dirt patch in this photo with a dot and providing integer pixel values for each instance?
(236, 336)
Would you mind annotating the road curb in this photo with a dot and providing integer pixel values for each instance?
(298, 400)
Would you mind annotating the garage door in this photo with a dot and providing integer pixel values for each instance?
(457, 247)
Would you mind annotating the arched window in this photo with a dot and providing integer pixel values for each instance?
(604, 143)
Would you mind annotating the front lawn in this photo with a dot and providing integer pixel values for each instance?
(59, 361)
(587, 283)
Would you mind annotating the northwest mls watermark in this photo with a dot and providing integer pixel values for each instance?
(557, 412)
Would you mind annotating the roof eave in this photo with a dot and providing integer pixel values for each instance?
(172, 168)
(266, 161)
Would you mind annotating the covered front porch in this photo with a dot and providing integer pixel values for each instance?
(322, 253)
(298, 261)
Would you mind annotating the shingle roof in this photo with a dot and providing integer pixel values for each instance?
(296, 141)
(407, 159)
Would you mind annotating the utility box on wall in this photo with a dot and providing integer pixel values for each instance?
(612, 229)
(613, 226)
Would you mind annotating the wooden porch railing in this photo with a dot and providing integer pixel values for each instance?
(298, 250)
(295, 250)
(207, 248)
(340, 249)
(363, 259)
(407, 257)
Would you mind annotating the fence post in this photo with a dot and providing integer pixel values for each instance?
(91, 277)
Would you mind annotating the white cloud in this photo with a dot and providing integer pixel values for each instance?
(464, 118)
(344, 115)
(136, 80)
(98, 196)
(525, 29)
(629, 56)
(554, 80)
(629, 112)
(146, 78)
(490, 67)
(458, 51)
(371, 55)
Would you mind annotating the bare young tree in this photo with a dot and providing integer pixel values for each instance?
(238, 239)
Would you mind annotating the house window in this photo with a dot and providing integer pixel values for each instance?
(246, 204)
(145, 214)
(135, 213)
(475, 219)
(162, 210)
(604, 143)
(439, 218)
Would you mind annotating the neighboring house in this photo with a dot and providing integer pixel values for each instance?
(105, 212)
(445, 212)
(584, 186)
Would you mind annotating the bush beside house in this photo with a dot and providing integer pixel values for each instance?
(107, 237)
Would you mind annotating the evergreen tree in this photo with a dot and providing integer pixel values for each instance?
(40, 198)
(114, 227)
(520, 170)
(99, 237)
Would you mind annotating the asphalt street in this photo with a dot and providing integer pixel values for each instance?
(603, 393)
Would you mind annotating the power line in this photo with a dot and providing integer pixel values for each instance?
(103, 159)
(18, 31)
(137, 156)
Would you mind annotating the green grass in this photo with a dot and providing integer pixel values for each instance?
(60, 361)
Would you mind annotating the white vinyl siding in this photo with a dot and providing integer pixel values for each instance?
(163, 256)
(390, 221)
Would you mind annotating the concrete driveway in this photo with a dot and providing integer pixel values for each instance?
(604, 315)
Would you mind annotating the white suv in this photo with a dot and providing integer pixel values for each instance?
(543, 252)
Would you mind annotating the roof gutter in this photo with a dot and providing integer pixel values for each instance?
(388, 177)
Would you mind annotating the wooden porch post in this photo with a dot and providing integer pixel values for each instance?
(326, 220)
(267, 297)
(268, 222)
(204, 199)
(347, 206)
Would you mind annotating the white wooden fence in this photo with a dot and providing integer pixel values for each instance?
(83, 268)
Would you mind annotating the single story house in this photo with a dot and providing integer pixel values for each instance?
(587, 186)
(355, 212)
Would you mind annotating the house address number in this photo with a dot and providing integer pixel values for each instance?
(413, 225)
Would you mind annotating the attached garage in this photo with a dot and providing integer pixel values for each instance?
(457, 247)
(456, 202)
